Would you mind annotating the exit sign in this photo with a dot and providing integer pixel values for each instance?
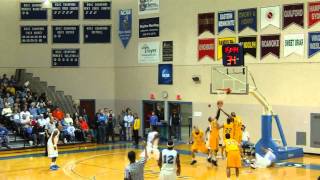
(232, 55)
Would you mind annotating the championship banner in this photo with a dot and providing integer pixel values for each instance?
(247, 18)
(125, 26)
(293, 43)
(270, 16)
(270, 44)
(149, 52)
(205, 23)
(167, 50)
(249, 44)
(148, 6)
(221, 42)
(314, 43)
(293, 14)
(165, 74)
(206, 47)
(226, 20)
(313, 13)
(149, 27)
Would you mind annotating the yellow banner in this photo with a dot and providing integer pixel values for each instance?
(221, 42)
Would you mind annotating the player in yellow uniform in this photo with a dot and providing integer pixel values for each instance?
(233, 155)
(237, 122)
(198, 143)
(214, 140)
(228, 128)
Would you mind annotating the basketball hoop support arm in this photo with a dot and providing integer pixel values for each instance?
(267, 108)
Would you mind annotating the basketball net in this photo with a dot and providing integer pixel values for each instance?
(222, 93)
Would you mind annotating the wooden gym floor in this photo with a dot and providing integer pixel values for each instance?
(89, 161)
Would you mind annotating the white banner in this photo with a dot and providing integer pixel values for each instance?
(293, 43)
(149, 52)
(148, 6)
(270, 16)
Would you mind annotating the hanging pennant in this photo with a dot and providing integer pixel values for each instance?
(270, 44)
(313, 13)
(247, 18)
(125, 26)
(206, 47)
(314, 43)
(221, 42)
(293, 14)
(226, 20)
(293, 43)
(205, 23)
(270, 16)
(249, 44)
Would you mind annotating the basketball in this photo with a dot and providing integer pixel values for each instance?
(220, 103)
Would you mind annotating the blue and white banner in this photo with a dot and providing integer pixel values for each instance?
(226, 20)
(165, 74)
(125, 26)
(314, 43)
(247, 18)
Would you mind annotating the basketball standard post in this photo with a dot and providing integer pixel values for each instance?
(282, 152)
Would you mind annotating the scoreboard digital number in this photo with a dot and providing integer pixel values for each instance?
(232, 55)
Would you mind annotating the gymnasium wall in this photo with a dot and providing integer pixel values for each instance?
(93, 79)
(289, 83)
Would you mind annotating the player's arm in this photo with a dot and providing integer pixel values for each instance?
(145, 151)
(218, 113)
(155, 137)
(226, 113)
(126, 174)
(178, 165)
(160, 160)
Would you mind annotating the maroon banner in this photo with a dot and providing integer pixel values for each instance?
(313, 13)
(293, 14)
(206, 47)
(205, 23)
(270, 44)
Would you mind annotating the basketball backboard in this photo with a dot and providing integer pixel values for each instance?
(230, 80)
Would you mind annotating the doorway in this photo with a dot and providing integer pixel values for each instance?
(184, 110)
(88, 107)
(148, 107)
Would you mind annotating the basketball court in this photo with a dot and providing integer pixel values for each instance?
(108, 162)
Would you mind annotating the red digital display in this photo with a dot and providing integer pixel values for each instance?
(232, 55)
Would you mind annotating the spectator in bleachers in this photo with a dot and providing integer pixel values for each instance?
(78, 131)
(4, 79)
(42, 124)
(71, 132)
(10, 99)
(41, 109)
(1, 103)
(84, 126)
(11, 89)
(58, 113)
(12, 81)
(4, 138)
(33, 109)
(25, 113)
(68, 119)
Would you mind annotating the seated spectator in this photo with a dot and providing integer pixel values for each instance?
(57, 113)
(41, 109)
(25, 114)
(68, 119)
(4, 79)
(11, 89)
(4, 138)
(10, 99)
(1, 103)
(12, 81)
(71, 133)
(84, 126)
(78, 131)
(33, 110)
(42, 124)
(6, 111)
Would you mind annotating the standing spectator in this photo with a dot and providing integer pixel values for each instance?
(136, 128)
(175, 124)
(102, 118)
(153, 120)
(121, 122)
(110, 126)
(128, 119)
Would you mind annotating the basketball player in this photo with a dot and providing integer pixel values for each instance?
(237, 123)
(228, 128)
(198, 143)
(233, 155)
(169, 163)
(53, 149)
(152, 144)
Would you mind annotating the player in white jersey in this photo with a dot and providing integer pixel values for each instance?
(169, 163)
(152, 144)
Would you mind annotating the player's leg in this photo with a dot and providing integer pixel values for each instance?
(193, 156)
(237, 172)
(228, 173)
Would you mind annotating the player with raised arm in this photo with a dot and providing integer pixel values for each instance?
(169, 163)
(152, 144)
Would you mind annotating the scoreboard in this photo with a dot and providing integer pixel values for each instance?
(232, 55)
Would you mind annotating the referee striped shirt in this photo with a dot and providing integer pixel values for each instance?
(135, 170)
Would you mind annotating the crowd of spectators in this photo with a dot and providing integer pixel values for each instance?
(34, 117)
